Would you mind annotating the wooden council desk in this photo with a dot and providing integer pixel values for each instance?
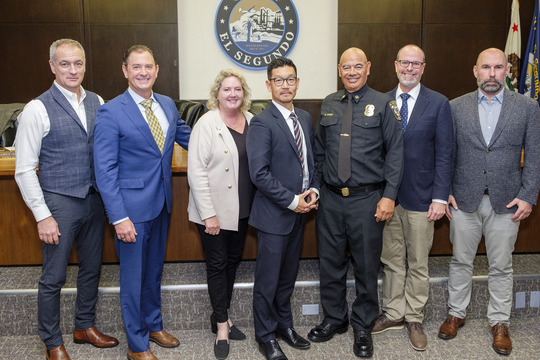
(20, 244)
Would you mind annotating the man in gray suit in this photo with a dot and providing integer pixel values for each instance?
(490, 193)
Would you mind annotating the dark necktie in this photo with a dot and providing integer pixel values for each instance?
(404, 112)
(344, 153)
(297, 138)
(153, 123)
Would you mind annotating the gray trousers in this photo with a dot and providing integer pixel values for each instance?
(500, 234)
(81, 221)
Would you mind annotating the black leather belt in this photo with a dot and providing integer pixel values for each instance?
(352, 191)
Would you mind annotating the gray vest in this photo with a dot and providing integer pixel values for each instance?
(66, 161)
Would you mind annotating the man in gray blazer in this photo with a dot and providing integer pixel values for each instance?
(490, 193)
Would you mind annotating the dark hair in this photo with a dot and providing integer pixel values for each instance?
(136, 48)
(277, 63)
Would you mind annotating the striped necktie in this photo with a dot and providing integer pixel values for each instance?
(153, 123)
(297, 138)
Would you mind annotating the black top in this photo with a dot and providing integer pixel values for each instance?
(245, 187)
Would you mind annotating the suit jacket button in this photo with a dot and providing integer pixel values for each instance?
(487, 150)
(230, 186)
(226, 169)
(483, 171)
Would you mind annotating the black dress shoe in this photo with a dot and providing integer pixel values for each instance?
(325, 331)
(221, 349)
(293, 339)
(363, 344)
(234, 332)
(272, 351)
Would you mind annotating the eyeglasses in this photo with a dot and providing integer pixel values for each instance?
(415, 64)
(279, 81)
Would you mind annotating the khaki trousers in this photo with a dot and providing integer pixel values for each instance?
(407, 240)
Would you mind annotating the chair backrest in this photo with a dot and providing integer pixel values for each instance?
(258, 105)
(192, 113)
(8, 137)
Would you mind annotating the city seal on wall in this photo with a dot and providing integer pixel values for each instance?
(254, 32)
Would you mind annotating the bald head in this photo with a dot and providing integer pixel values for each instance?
(353, 69)
(490, 71)
(411, 48)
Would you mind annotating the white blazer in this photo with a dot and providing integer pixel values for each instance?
(213, 172)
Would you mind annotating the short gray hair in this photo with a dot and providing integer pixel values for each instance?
(71, 42)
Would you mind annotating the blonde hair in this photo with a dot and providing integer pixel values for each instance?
(212, 103)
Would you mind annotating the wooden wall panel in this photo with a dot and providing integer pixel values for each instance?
(450, 62)
(107, 44)
(130, 11)
(39, 11)
(381, 44)
(25, 57)
(379, 12)
(467, 12)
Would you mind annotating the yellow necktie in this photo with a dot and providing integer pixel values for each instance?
(153, 122)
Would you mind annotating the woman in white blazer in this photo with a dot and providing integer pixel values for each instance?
(221, 193)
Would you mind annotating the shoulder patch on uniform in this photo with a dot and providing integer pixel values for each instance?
(394, 107)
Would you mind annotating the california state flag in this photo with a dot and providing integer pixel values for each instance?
(512, 50)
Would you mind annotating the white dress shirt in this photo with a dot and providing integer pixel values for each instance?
(33, 126)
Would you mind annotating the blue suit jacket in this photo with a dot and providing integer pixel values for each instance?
(276, 170)
(427, 147)
(133, 176)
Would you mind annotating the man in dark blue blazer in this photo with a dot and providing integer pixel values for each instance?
(407, 238)
(134, 141)
(281, 165)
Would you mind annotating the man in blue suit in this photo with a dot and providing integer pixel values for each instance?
(134, 141)
(407, 238)
(281, 165)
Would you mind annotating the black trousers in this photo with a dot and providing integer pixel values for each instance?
(223, 252)
(349, 222)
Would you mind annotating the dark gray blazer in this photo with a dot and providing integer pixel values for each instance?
(498, 165)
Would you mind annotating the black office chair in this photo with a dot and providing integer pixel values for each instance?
(192, 113)
(258, 105)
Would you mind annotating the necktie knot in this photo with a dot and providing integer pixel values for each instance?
(405, 96)
(147, 104)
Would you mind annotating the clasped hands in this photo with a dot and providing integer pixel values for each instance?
(307, 201)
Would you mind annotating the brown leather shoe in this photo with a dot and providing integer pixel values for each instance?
(145, 355)
(501, 339)
(383, 323)
(94, 337)
(450, 326)
(59, 353)
(417, 338)
(164, 339)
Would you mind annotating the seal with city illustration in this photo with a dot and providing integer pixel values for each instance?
(252, 33)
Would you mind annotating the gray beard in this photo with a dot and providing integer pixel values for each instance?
(491, 89)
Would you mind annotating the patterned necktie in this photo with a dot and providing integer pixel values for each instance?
(153, 122)
(344, 151)
(404, 112)
(297, 138)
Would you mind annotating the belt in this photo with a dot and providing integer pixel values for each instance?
(351, 191)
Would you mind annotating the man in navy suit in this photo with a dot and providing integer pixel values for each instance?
(134, 141)
(407, 238)
(281, 165)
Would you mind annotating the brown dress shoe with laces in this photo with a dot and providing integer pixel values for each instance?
(417, 338)
(501, 339)
(145, 355)
(164, 339)
(59, 353)
(450, 326)
(95, 337)
(383, 323)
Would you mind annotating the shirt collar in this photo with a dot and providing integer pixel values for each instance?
(356, 96)
(70, 95)
(415, 91)
(499, 97)
(138, 98)
(283, 110)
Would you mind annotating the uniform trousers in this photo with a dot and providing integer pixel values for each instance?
(341, 222)
(407, 240)
(80, 221)
(223, 252)
(500, 234)
(275, 274)
(141, 269)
